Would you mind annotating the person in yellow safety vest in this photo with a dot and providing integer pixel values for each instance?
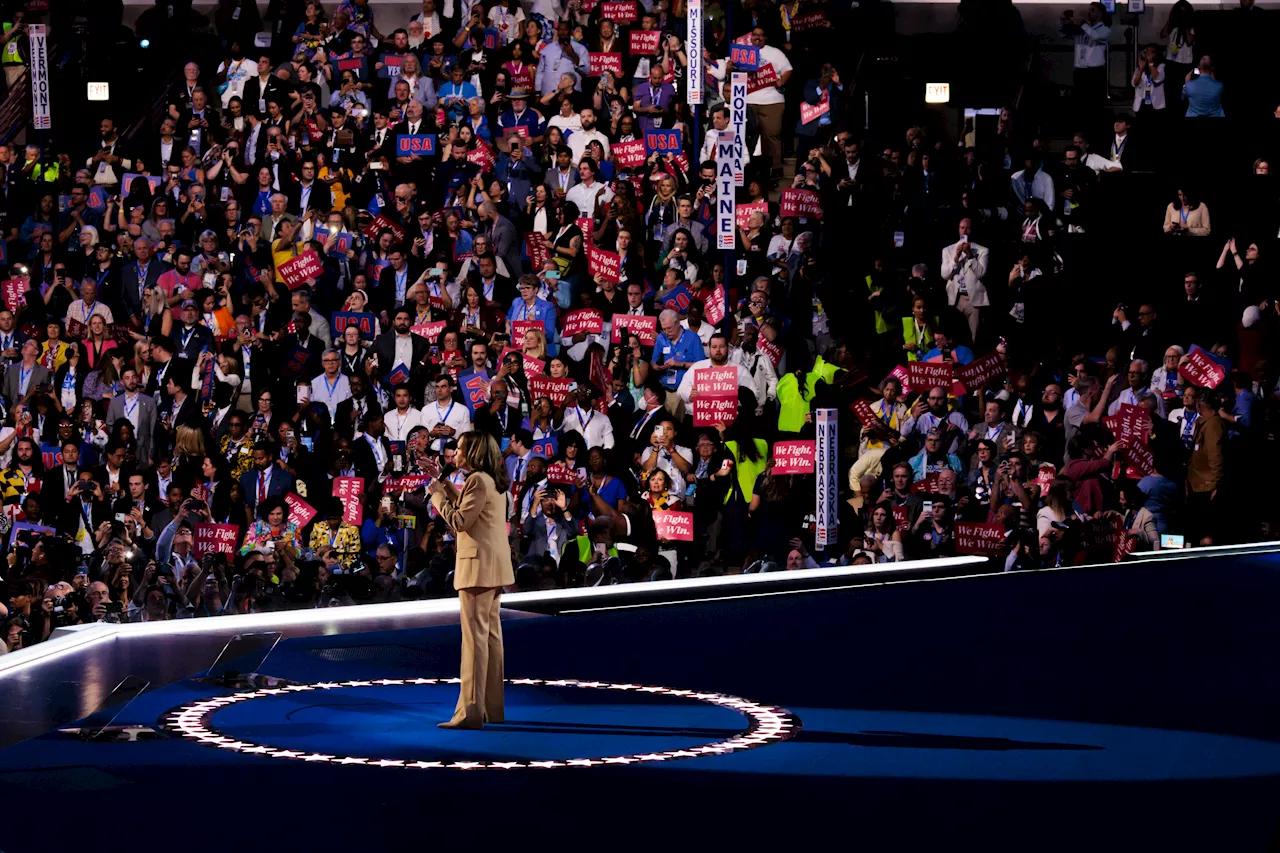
(35, 171)
(917, 330)
(583, 559)
(13, 52)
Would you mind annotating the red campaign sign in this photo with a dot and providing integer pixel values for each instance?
(380, 222)
(674, 526)
(536, 247)
(546, 386)
(793, 457)
(585, 225)
(1139, 462)
(607, 265)
(558, 472)
(481, 156)
(870, 421)
(300, 512)
(715, 399)
(644, 328)
(986, 540)
(519, 327)
(923, 375)
(714, 308)
(900, 373)
(811, 21)
(927, 486)
(811, 112)
(587, 320)
(796, 202)
(902, 518)
(1130, 424)
(15, 292)
(762, 79)
(1104, 540)
(628, 155)
(431, 331)
(769, 348)
(1045, 476)
(351, 490)
(744, 211)
(981, 371)
(1198, 369)
(645, 42)
(306, 266)
(620, 11)
(533, 365)
(407, 483)
(602, 62)
(215, 539)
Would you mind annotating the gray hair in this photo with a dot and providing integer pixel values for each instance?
(920, 270)
(668, 315)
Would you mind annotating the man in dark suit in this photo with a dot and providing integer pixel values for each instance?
(262, 87)
(135, 497)
(133, 404)
(299, 351)
(139, 275)
(495, 288)
(416, 169)
(395, 280)
(59, 479)
(341, 146)
(351, 410)
(162, 361)
(191, 337)
(265, 479)
(86, 505)
(562, 177)
(161, 151)
(503, 236)
(11, 337)
(183, 408)
(308, 193)
(369, 454)
(23, 378)
(392, 346)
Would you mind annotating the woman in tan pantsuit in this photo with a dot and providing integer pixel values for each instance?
(477, 516)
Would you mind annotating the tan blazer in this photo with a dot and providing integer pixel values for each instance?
(1197, 220)
(477, 515)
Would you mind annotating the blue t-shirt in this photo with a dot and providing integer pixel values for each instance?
(1203, 96)
(688, 348)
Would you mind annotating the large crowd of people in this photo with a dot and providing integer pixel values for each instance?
(235, 344)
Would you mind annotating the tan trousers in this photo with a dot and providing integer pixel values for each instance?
(480, 699)
(769, 117)
(970, 311)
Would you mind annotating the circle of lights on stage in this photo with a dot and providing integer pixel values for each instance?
(767, 725)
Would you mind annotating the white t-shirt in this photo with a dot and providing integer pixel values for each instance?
(771, 94)
(453, 414)
(579, 140)
(668, 466)
(400, 425)
(331, 396)
(594, 427)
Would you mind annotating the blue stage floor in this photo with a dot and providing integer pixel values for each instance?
(1128, 708)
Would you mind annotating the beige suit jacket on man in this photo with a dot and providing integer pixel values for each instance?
(477, 515)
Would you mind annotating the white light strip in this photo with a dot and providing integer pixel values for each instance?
(1205, 551)
(341, 618)
(768, 725)
(69, 641)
